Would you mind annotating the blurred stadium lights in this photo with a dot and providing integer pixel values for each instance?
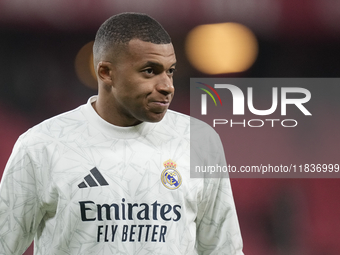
(221, 48)
(265, 17)
(84, 66)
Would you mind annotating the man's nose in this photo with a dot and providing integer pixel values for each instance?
(165, 84)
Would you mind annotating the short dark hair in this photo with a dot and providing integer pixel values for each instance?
(120, 29)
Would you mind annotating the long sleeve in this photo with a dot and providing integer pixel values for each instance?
(20, 213)
(218, 230)
(217, 226)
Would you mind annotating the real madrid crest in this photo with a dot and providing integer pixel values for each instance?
(170, 177)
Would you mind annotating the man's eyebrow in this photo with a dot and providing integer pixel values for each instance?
(156, 64)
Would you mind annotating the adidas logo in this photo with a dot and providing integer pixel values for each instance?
(93, 180)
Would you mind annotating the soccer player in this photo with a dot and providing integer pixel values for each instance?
(113, 175)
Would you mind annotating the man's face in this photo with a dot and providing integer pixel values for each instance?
(142, 83)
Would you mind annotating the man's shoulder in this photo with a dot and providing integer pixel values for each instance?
(176, 120)
(56, 126)
(173, 115)
(179, 119)
(181, 123)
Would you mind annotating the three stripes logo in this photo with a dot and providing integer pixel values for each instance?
(96, 179)
(204, 97)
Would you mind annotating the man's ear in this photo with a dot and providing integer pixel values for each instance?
(104, 71)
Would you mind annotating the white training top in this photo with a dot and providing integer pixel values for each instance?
(80, 185)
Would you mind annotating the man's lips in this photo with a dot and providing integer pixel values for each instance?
(165, 103)
(159, 105)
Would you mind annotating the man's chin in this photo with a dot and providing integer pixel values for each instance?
(155, 117)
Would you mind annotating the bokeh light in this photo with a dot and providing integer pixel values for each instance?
(84, 66)
(221, 48)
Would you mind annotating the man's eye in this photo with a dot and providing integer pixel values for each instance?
(148, 71)
(171, 70)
